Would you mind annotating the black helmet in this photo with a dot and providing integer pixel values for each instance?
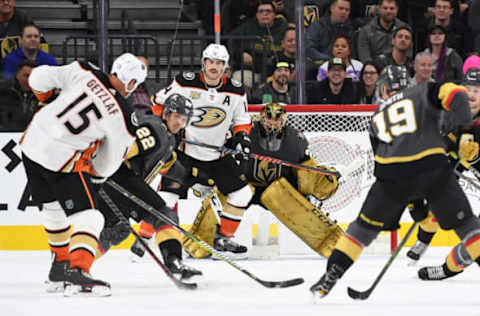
(393, 77)
(177, 103)
(472, 77)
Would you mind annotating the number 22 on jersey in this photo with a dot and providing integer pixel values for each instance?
(396, 120)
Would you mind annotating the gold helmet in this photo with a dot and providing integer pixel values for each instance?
(278, 113)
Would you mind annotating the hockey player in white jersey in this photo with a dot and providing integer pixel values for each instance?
(219, 103)
(81, 136)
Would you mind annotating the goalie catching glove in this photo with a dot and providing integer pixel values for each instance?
(468, 148)
(319, 185)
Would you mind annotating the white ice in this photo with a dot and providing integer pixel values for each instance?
(143, 289)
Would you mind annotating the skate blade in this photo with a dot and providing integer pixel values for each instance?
(95, 291)
(317, 296)
(55, 287)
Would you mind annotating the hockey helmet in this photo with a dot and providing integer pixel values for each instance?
(472, 77)
(177, 103)
(273, 111)
(216, 51)
(128, 67)
(393, 77)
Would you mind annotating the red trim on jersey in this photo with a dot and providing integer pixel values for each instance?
(353, 240)
(472, 240)
(321, 108)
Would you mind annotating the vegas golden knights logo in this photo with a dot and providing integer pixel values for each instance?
(266, 172)
(310, 15)
(208, 117)
(9, 44)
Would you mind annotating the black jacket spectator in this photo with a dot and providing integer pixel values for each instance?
(320, 93)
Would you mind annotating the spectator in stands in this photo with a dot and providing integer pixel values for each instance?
(24, 103)
(447, 64)
(250, 54)
(278, 90)
(458, 34)
(336, 88)
(474, 23)
(236, 12)
(423, 68)
(320, 36)
(29, 49)
(140, 98)
(12, 22)
(402, 42)
(342, 48)
(367, 84)
(375, 38)
(288, 54)
(471, 62)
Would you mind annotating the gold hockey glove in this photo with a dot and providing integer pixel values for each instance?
(320, 185)
(468, 148)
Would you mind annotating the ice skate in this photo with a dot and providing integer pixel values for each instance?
(56, 276)
(327, 281)
(81, 282)
(226, 246)
(182, 271)
(436, 273)
(416, 252)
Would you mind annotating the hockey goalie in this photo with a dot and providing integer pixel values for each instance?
(281, 190)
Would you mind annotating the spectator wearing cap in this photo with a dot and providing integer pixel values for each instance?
(320, 35)
(278, 90)
(447, 64)
(250, 56)
(402, 42)
(22, 103)
(288, 54)
(458, 35)
(423, 69)
(336, 88)
(29, 49)
(471, 62)
(471, 81)
(342, 48)
(375, 38)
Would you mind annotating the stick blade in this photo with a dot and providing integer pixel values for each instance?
(356, 295)
(282, 284)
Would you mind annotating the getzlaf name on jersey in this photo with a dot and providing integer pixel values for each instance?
(215, 110)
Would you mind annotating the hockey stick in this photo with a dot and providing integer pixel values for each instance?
(139, 202)
(358, 295)
(124, 220)
(264, 158)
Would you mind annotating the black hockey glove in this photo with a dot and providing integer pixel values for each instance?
(240, 142)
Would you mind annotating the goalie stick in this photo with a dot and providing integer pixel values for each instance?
(144, 205)
(286, 163)
(124, 220)
(359, 295)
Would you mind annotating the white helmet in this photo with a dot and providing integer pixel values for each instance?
(128, 67)
(216, 51)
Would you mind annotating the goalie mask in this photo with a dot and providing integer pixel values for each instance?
(177, 103)
(273, 119)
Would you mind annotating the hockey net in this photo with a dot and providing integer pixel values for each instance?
(338, 137)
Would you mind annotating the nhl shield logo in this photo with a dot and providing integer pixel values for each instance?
(195, 95)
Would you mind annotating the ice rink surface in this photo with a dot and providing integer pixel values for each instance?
(143, 289)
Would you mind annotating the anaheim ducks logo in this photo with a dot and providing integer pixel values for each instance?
(266, 172)
(208, 117)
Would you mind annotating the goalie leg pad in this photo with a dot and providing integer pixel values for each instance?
(204, 227)
(167, 233)
(308, 222)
